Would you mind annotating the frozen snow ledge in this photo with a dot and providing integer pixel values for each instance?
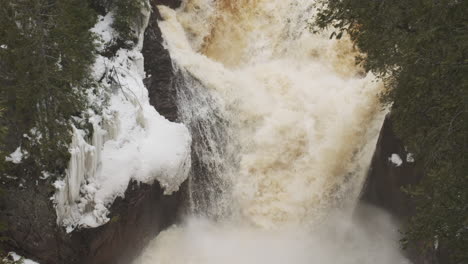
(130, 141)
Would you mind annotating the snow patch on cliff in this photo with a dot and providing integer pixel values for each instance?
(129, 141)
(19, 259)
(17, 156)
(395, 159)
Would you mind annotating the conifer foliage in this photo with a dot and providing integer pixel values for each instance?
(420, 49)
(127, 19)
(46, 50)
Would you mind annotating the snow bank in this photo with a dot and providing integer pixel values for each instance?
(17, 257)
(17, 156)
(130, 141)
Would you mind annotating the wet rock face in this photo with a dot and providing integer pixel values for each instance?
(135, 220)
(385, 179)
(169, 3)
(27, 212)
(29, 215)
(158, 66)
(384, 188)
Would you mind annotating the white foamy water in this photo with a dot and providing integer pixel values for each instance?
(299, 126)
(369, 239)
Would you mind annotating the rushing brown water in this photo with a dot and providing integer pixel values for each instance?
(302, 123)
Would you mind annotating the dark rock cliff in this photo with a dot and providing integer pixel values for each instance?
(28, 213)
(158, 66)
(135, 220)
(384, 188)
(385, 179)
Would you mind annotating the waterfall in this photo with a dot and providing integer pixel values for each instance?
(284, 127)
(212, 153)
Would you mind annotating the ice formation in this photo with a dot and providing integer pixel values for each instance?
(130, 141)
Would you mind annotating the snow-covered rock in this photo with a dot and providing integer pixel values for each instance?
(395, 159)
(130, 141)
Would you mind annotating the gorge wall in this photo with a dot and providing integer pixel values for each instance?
(384, 185)
(29, 215)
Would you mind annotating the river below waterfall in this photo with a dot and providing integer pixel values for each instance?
(284, 125)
